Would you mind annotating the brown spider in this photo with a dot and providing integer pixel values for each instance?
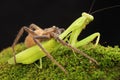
(36, 35)
(44, 34)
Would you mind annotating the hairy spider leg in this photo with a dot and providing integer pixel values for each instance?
(24, 28)
(40, 37)
(37, 42)
(34, 27)
(47, 53)
(73, 48)
(20, 33)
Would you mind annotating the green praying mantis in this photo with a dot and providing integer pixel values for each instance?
(70, 35)
(67, 38)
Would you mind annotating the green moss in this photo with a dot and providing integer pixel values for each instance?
(79, 67)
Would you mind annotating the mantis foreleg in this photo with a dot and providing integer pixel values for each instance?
(89, 39)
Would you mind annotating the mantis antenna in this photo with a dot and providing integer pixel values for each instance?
(99, 10)
(91, 7)
(104, 9)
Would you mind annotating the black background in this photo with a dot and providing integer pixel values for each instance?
(45, 13)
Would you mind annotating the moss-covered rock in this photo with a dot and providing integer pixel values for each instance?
(78, 67)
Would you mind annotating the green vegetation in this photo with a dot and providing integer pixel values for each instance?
(79, 67)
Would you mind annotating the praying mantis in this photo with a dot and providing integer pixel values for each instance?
(56, 36)
(67, 38)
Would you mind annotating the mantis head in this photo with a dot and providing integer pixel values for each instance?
(88, 17)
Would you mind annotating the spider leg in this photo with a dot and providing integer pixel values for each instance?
(48, 54)
(18, 37)
(34, 27)
(41, 37)
(55, 36)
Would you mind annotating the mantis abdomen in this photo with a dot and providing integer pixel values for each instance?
(34, 53)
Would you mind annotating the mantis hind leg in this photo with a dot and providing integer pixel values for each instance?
(89, 39)
(40, 64)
